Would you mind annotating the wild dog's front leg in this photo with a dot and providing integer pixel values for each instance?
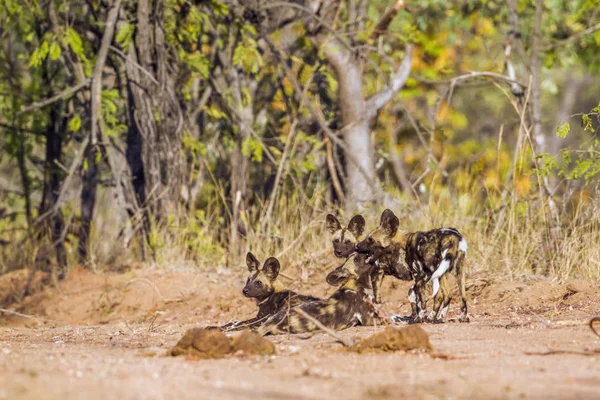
(251, 323)
(420, 309)
(412, 299)
(376, 282)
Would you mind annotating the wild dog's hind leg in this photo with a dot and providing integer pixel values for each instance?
(440, 302)
(440, 316)
(460, 272)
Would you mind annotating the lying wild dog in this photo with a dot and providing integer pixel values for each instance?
(344, 239)
(270, 294)
(429, 256)
(347, 307)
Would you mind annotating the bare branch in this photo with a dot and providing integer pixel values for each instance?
(375, 102)
(330, 332)
(335, 180)
(472, 75)
(387, 19)
(107, 37)
(54, 99)
(573, 37)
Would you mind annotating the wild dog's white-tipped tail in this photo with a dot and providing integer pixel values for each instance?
(462, 245)
(435, 278)
(436, 286)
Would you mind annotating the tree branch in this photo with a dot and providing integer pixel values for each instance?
(375, 102)
(107, 37)
(54, 99)
(573, 37)
(383, 25)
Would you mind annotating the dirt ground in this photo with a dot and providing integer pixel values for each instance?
(106, 336)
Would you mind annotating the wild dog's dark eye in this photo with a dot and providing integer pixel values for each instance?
(371, 239)
(258, 283)
(336, 241)
(347, 241)
(356, 259)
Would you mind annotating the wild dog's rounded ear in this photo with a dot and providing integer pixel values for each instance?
(357, 225)
(252, 263)
(332, 223)
(389, 223)
(338, 276)
(271, 268)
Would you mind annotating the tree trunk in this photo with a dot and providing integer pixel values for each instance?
(361, 178)
(88, 200)
(155, 112)
(52, 180)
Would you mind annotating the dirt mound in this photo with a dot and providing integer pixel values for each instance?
(202, 343)
(251, 343)
(212, 343)
(393, 339)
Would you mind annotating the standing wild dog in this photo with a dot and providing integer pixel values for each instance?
(271, 296)
(429, 256)
(345, 308)
(344, 239)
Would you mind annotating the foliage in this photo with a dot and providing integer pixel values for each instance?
(237, 96)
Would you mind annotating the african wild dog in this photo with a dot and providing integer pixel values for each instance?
(270, 294)
(429, 256)
(344, 239)
(347, 307)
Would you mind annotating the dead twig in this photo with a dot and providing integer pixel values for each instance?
(330, 332)
(18, 314)
(560, 351)
(592, 321)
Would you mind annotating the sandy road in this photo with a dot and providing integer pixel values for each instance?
(486, 360)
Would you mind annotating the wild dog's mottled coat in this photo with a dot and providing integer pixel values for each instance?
(344, 239)
(429, 256)
(347, 307)
(388, 257)
(270, 294)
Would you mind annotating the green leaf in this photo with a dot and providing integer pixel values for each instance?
(125, 35)
(39, 55)
(563, 130)
(215, 112)
(75, 42)
(586, 123)
(54, 51)
(75, 123)
(252, 148)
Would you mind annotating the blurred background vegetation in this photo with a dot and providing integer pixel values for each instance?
(188, 132)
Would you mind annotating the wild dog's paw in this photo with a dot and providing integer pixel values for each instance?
(417, 320)
(399, 319)
(464, 318)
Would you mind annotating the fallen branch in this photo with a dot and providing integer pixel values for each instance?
(330, 332)
(554, 352)
(18, 314)
(592, 321)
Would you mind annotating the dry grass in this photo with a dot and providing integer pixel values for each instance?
(525, 245)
